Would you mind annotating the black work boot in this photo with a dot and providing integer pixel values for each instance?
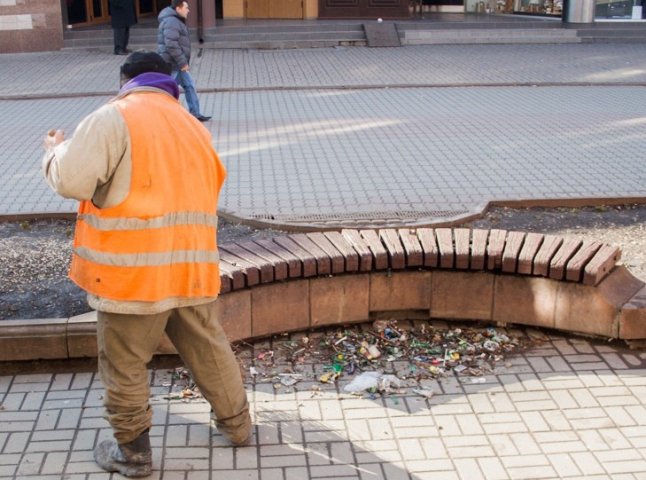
(133, 459)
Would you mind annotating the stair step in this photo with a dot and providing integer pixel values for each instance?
(282, 36)
(434, 37)
(322, 43)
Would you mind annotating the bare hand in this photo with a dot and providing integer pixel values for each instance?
(185, 68)
(53, 138)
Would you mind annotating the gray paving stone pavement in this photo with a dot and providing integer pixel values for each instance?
(569, 408)
(301, 145)
(312, 144)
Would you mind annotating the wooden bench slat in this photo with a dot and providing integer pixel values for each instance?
(532, 243)
(566, 251)
(513, 244)
(294, 264)
(462, 247)
(378, 251)
(264, 266)
(445, 244)
(550, 245)
(308, 260)
(280, 266)
(323, 261)
(412, 248)
(234, 273)
(336, 257)
(601, 264)
(253, 262)
(250, 271)
(495, 248)
(342, 245)
(225, 282)
(426, 238)
(576, 265)
(478, 249)
(355, 239)
(394, 247)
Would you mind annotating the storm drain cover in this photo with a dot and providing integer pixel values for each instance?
(363, 218)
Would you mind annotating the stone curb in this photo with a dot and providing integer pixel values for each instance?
(110, 93)
(342, 278)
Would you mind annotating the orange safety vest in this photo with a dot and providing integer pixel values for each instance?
(161, 241)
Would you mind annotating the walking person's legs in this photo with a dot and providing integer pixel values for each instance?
(185, 80)
(203, 346)
(126, 343)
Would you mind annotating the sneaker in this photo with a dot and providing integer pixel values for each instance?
(133, 459)
(202, 118)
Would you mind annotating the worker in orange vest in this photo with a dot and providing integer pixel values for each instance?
(145, 250)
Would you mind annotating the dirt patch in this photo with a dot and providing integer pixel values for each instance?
(35, 255)
(35, 258)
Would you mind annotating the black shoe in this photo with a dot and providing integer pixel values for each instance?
(202, 118)
(121, 52)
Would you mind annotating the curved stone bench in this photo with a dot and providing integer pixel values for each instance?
(300, 281)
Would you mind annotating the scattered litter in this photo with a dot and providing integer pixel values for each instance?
(266, 355)
(290, 379)
(363, 382)
(423, 392)
(382, 358)
(329, 377)
(374, 382)
(186, 393)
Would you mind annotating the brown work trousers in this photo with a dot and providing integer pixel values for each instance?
(126, 344)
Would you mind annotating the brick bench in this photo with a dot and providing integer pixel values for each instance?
(300, 281)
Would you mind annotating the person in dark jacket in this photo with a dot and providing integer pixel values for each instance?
(123, 16)
(174, 45)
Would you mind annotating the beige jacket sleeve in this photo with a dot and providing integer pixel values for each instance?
(95, 163)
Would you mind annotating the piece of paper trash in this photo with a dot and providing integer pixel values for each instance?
(252, 371)
(289, 379)
(423, 392)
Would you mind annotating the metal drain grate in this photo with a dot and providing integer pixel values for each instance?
(384, 216)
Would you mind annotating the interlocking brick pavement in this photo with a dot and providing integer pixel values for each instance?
(303, 148)
(521, 423)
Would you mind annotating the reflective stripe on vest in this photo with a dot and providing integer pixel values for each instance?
(168, 220)
(146, 259)
(161, 241)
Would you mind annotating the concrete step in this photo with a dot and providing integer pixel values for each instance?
(277, 44)
(260, 36)
(613, 39)
(283, 36)
(500, 35)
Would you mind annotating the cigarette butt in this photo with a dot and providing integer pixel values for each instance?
(51, 133)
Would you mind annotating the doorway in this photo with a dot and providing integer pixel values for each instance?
(87, 12)
(276, 9)
(95, 12)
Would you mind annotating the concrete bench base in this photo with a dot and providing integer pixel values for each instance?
(369, 275)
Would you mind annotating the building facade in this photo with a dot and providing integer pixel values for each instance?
(39, 25)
